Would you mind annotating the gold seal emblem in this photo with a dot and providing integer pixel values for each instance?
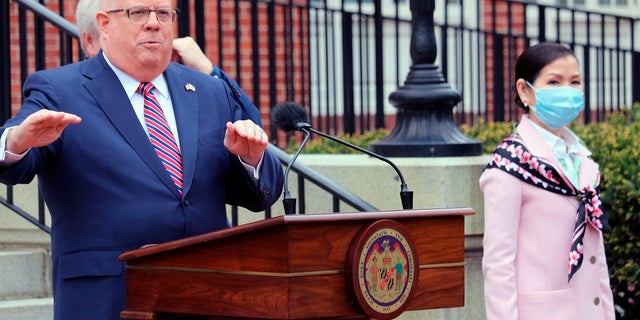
(382, 269)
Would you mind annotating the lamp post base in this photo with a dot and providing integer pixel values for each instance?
(425, 125)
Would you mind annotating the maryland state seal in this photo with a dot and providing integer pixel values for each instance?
(382, 269)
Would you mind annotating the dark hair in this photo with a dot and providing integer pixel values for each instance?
(534, 59)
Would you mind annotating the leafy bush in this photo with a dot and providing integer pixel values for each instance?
(490, 134)
(616, 147)
(323, 145)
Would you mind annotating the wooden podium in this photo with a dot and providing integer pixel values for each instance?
(311, 266)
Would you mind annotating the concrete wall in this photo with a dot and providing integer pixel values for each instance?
(436, 183)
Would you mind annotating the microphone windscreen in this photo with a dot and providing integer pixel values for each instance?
(287, 116)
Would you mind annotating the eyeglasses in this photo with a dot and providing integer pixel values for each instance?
(140, 15)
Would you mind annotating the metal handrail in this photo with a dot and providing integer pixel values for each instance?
(321, 181)
(40, 10)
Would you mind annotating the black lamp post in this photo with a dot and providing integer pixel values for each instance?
(425, 125)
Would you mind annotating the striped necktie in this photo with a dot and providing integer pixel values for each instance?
(160, 135)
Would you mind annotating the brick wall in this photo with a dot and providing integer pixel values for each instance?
(496, 15)
(51, 47)
(291, 55)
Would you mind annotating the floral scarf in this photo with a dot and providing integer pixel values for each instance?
(512, 156)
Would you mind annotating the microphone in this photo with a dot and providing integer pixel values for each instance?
(286, 118)
(290, 116)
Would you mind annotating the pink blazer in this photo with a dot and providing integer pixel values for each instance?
(527, 236)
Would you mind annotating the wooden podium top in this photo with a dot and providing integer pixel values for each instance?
(305, 266)
(291, 219)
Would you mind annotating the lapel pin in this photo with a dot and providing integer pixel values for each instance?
(189, 87)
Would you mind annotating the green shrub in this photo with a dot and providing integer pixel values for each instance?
(490, 134)
(616, 147)
(323, 145)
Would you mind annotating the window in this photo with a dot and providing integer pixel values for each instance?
(571, 3)
(594, 4)
(367, 1)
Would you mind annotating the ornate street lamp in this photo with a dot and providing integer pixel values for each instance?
(425, 125)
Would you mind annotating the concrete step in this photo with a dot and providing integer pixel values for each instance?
(27, 309)
(25, 262)
(25, 273)
(25, 278)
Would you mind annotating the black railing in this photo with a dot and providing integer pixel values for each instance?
(342, 59)
(604, 43)
(353, 63)
(305, 174)
(67, 31)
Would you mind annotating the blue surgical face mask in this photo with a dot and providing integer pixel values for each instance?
(557, 107)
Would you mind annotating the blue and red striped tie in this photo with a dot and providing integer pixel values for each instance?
(160, 135)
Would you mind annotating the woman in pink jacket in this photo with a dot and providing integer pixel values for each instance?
(543, 248)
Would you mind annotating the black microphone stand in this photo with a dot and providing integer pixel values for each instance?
(288, 201)
(406, 195)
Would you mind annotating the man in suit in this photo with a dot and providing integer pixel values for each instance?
(82, 131)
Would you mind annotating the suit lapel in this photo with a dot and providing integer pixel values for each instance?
(185, 106)
(119, 111)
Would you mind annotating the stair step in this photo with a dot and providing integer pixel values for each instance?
(24, 238)
(24, 273)
(27, 309)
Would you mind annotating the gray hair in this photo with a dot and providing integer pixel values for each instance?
(86, 18)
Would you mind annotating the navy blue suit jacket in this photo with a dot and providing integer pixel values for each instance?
(249, 110)
(107, 190)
